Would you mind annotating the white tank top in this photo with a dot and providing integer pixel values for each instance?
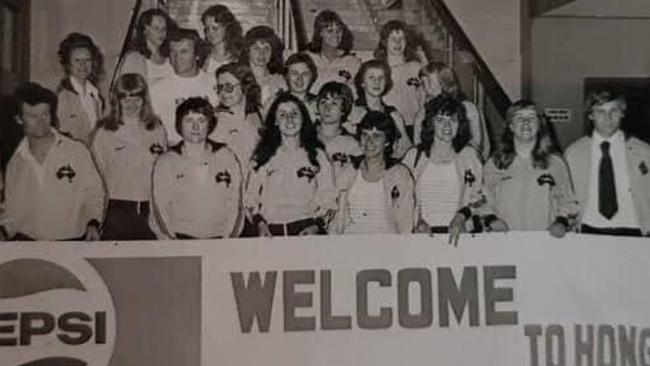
(438, 192)
(368, 210)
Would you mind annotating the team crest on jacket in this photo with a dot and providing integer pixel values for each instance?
(345, 74)
(340, 157)
(643, 168)
(414, 82)
(394, 193)
(156, 149)
(469, 177)
(307, 172)
(66, 172)
(546, 179)
(223, 177)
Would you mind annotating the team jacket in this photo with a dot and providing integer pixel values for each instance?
(197, 197)
(578, 156)
(469, 169)
(406, 94)
(399, 196)
(239, 131)
(340, 151)
(126, 157)
(60, 206)
(527, 198)
(73, 119)
(341, 69)
(289, 188)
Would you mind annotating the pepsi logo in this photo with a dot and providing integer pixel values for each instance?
(54, 311)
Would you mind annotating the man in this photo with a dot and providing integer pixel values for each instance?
(611, 172)
(53, 190)
(300, 74)
(187, 81)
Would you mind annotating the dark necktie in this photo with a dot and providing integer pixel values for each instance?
(607, 204)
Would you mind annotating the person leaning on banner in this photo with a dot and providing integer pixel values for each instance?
(125, 145)
(53, 189)
(611, 172)
(149, 51)
(376, 192)
(80, 104)
(187, 80)
(290, 189)
(447, 169)
(526, 182)
(197, 184)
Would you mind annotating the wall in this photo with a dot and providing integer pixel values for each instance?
(105, 21)
(495, 28)
(567, 49)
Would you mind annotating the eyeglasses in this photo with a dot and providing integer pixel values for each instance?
(227, 87)
(121, 95)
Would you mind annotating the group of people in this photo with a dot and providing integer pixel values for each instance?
(223, 137)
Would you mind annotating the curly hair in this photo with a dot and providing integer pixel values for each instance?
(32, 94)
(79, 40)
(195, 105)
(334, 89)
(410, 51)
(139, 42)
(544, 143)
(358, 78)
(323, 20)
(385, 123)
(272, 138)
(262, 33)
(444, 105)
(129, 84)
(233, 35)
(447, 77)
(243, 73)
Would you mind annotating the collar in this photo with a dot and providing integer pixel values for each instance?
(90, 88)
(616, 139)
(23, 147)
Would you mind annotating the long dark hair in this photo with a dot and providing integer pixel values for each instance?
(125, 84)
(444, 105)
(139, 43)
(323, 20)
(233, 35)
(544, 144)
(272, 138)
(263, 33)
(410, 54)
(252, 92)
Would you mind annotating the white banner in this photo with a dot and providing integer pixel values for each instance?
(500, 299)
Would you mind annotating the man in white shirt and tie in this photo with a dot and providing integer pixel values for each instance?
(610, 172)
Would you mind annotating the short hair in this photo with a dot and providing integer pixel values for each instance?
(358, 78)
(79, 40)
(338, 90)
(129, 83)
(139, 43)
(195, 105)
(233, 35)
(323, 20)
(600, 97)
(445, 105)
(301, 58)
(410, 50)
(383, 122)
(262, 33)
(32, 94)
(251, 90)
(447, 77)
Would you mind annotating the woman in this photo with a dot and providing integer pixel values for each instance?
(397, 48)
(224, 37)
(149, 54)
(197, 184)
(526, 181)
(447, 170)
(300, 73)
(263, 53)
(437, 78)
(238, 114)
(373, 81)
(80, 104)
(376, 191)
(290, 189)
(330, 48)
(126, 145)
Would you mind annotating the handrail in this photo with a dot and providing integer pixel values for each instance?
(491, 86)
(299, 24)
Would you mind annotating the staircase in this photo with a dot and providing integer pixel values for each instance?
(249, 12)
